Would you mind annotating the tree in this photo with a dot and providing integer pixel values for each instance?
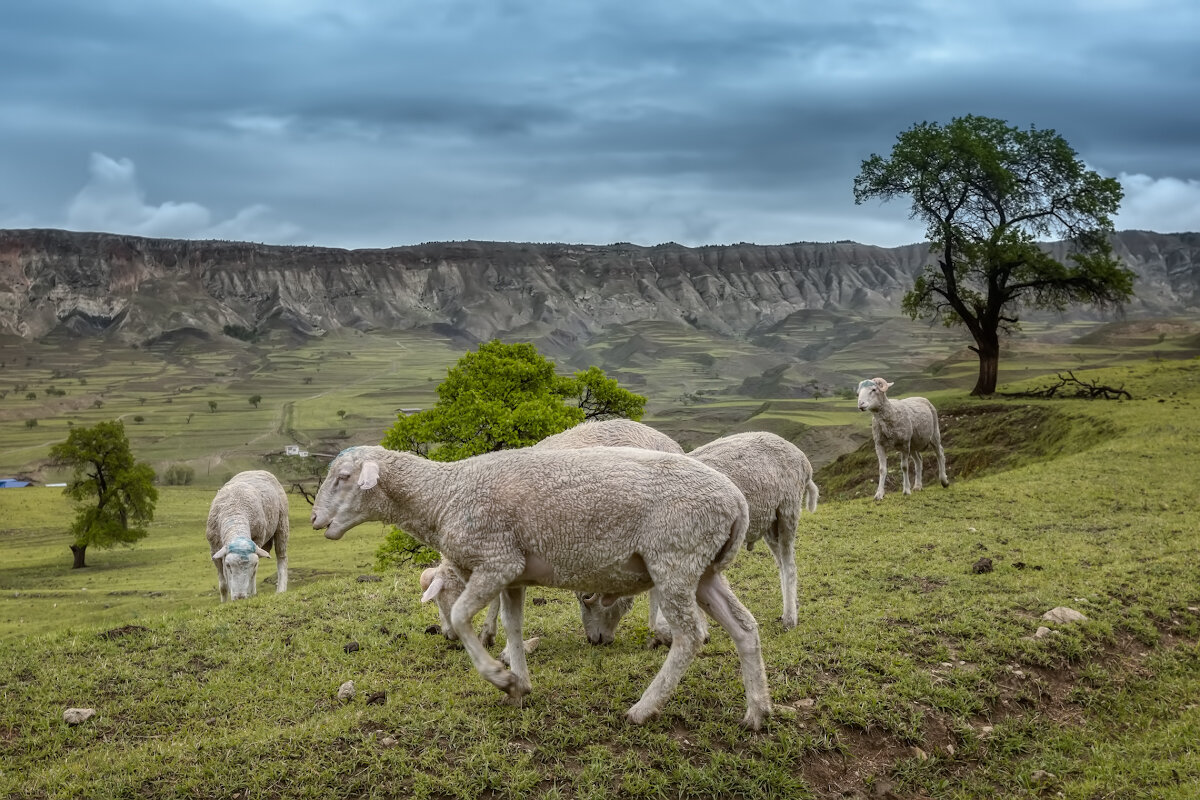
(988, 192)
(212, 406)
(505, 396)
(113, 493)
(502, 396)
(255, 399)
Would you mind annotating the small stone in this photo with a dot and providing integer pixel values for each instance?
(532, 643)
(351, 647)
(949, 749)
(1042, 632)
(77, 716)
(1040, 776)
(345, 692)
(986, 730)
(972, 530)
(377, 698)
(388, 741)
(1063, 615)
(981, 566)
(918, 753)
(368, 579)
(806, 702)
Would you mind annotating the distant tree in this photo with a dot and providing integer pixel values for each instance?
(307, 380)
(988, 192)
(114, 494)
(212, 406)
(141, 401)
(31, 423)
(255, 399)
(341, 413)
(139, 419)
(31, 396)
(189, 417)
(97, 403)
(179, 475)
(502, 396)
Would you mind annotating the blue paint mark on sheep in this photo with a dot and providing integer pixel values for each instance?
(866, 384)
(241, 546)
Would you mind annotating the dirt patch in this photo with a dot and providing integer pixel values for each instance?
(124, 630)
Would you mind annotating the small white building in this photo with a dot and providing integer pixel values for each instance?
(292, 450)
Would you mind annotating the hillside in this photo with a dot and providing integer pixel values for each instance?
(913, 674)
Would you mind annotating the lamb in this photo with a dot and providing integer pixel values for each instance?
(911, 425)
(248, 516)
(775, 477)
(616, 521)
(599, 620)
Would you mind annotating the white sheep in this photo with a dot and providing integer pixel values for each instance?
(775, 477)
(910, 425)
(599, 620)
(610, 520)
(248, 516)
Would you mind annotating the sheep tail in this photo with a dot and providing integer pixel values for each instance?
(811, 494)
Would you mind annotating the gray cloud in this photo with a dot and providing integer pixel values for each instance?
(367, 124)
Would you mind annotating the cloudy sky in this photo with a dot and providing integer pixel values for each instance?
(364, 123)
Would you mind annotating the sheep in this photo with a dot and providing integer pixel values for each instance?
(775, 477)
(248, 516)
(911, 425)
(598, 619)
(610, 520)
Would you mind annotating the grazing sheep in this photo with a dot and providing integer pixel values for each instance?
(910, 425)
(598, 618)
(610, 520)
(248, 516)
(775, 477)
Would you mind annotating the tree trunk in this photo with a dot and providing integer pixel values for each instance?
(988, 349)
(78, 550)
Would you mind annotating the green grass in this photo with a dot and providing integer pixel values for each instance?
(908, 671)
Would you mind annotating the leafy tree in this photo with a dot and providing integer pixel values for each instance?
(212, 406)
(500, 397)
(255, 399)
(988, 192)
(179, 475)
(341, 412)
(113, 493)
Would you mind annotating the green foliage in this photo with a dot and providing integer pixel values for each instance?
(255, 399)
(115, 495)
(399, 549)
(31, 423)
(212, 406)
(179, 475)
(240, 332)
(988, 193)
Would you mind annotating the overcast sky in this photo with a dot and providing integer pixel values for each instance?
(373, 123)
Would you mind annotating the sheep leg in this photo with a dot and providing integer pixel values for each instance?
(718, 600)
(221, 584)
(905, 460)
(918, 471)
(481, 589)
(941, 462)
(512, 610)
(281, 572)
(660, 630)
(679, 608)
(881, 454)
(782, 544)
(487, 634)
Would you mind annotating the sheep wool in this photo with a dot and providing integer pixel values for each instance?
(248, 516)
(909, 425)
(607, 520)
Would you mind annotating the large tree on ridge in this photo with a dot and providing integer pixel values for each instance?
(988, 193)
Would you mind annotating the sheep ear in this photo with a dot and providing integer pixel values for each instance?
(262, 553)
(369, 476)
(435, 586)
(427, 576)
(217, 556)
(887, 385)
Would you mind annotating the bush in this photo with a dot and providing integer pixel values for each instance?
(31, 423)
(179, 475)
(399, 549)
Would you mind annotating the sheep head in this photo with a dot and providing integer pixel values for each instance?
(238, 561)
(442, 585)
(601, 614)
(872, 394)
(343, 499)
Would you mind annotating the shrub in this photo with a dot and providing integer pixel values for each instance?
(399, 549)
(179, 475)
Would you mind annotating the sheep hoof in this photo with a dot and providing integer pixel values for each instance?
(755, 717)
(488, 640)
(945, 483)
(637, 715)
(657, 639)
(879, 496)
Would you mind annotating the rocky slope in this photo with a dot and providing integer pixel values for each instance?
(140, 290)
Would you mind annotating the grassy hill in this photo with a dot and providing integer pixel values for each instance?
(913, 671)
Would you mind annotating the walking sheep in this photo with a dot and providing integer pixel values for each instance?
(775, 477)
(910, 425)
(248, 516)
(599, 620)
(610, 520)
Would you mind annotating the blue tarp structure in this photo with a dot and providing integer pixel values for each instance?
(12, 483)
